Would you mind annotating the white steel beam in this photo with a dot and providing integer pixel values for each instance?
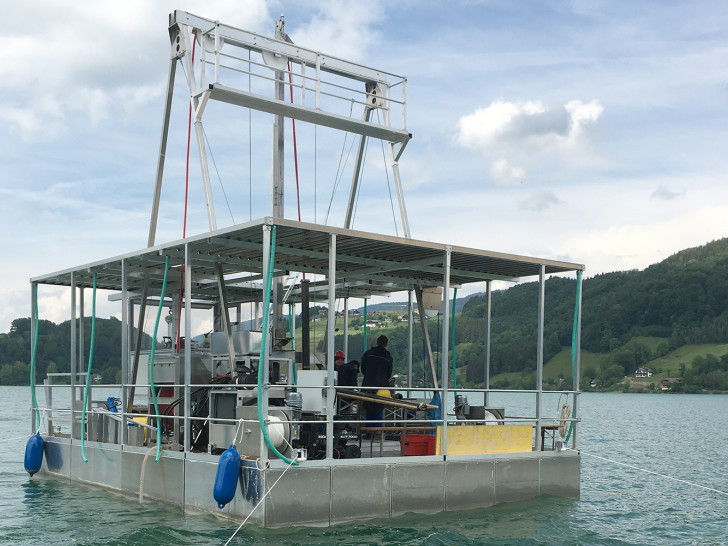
(302, 113)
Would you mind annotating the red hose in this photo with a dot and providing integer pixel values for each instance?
(187, 188)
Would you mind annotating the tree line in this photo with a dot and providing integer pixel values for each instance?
(54, 350)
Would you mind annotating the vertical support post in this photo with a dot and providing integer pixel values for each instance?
(130, 341)
(33, 316)
(292, 326)
(445, 339)
(365, 325)
(346, 328)
(81, 339)
(178, 360)
(124, 349)
(488, 310)
(577, 361)
(172, 327)
(330, 375)
(305, 321)
(404, 104)
(265, 351)
(74, 353)
(188, 348)
(410, 335)
(277, 193)
(277, 189)
(539, 353)
(318, 81)
(303, 84)
(387, 104)
(217, 52)
(201, 59)
(179, 374)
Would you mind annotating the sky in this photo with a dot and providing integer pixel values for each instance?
(587, 131)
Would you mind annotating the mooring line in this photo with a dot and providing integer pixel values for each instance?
(261, 500)
(655, 473)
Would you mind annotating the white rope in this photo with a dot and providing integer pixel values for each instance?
(655, 473)
(235, 438)
(261, 500)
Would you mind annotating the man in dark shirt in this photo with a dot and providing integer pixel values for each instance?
(347, 374)
(376, 365)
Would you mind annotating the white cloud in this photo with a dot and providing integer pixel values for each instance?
(344, 29)
(664, 193)
(482, 127)
(582, 115)
(539, 201)
(527, 135)
(506, 174)
(74, 62)
(527, 123)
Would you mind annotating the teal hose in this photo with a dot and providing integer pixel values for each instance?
(151, 362)
(88, 373)
(32, 360)
(573, 345)
(263, 347)
(452, 328)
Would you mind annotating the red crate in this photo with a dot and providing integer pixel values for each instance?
(419, 444)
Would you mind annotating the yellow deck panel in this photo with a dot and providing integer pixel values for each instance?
(476, 439)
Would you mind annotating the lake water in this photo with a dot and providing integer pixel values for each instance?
(657, 435)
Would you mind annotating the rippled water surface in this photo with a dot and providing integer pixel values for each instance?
(684, 437)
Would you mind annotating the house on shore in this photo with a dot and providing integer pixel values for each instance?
(668, 383)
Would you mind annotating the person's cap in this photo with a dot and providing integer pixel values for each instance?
(339, 354)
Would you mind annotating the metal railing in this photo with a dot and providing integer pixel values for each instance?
(139, 427)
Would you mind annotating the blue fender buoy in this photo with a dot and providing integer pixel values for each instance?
(34, 454)
(226, 481)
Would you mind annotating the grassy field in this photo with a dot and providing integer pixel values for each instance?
(652, 342)
(670, 363)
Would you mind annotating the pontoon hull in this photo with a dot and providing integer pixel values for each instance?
(320, 493)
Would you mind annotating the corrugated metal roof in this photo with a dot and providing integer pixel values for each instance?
(366, 263)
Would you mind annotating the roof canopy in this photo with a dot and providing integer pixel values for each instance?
(366, 263)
